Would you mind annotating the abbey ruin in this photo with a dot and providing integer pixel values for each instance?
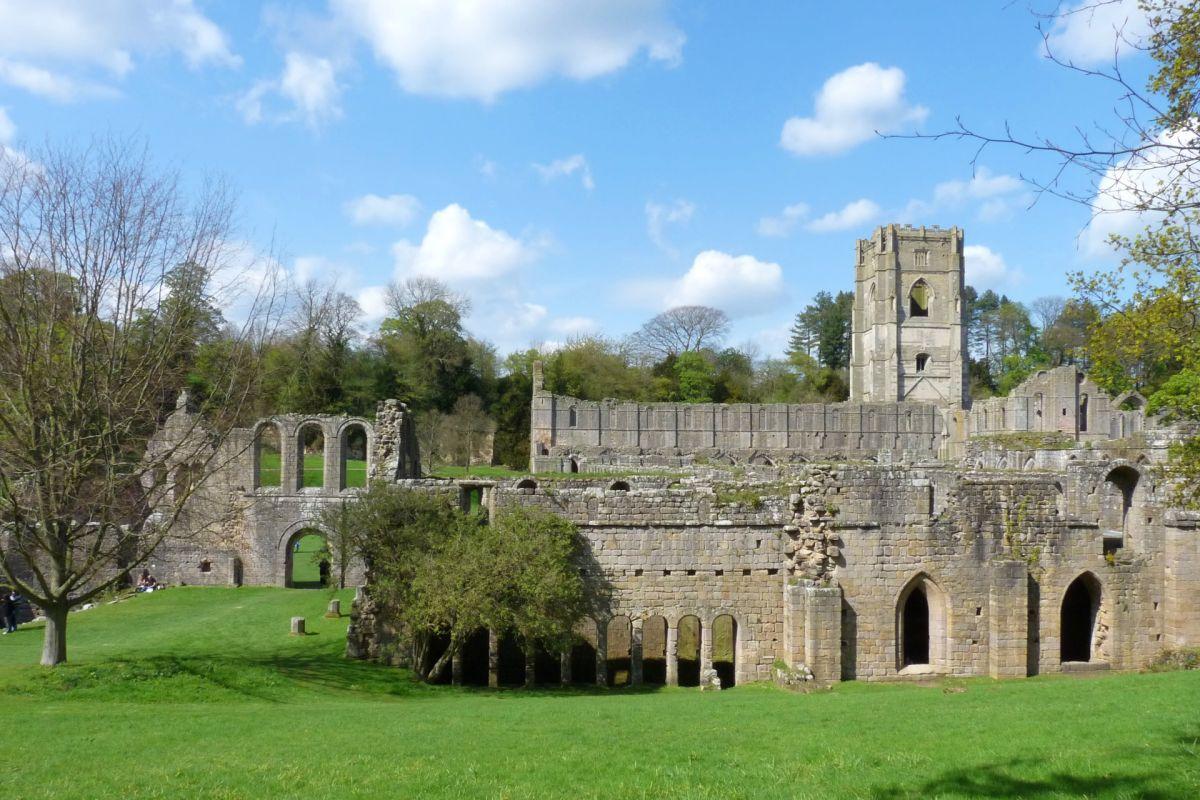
(904, 533)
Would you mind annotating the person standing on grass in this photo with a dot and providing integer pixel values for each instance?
(10, 602)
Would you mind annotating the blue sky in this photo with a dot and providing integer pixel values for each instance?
(575, 167)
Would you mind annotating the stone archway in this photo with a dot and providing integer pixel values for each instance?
(1079, 620)
(922, 627)
(306, 561)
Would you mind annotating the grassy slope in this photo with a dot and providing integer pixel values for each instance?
(201, 693)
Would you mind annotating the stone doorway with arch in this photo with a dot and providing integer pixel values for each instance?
(307, 563)
(922, 627)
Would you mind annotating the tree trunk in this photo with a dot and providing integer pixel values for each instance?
(54, 644)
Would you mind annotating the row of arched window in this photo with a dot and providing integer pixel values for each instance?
(310, 461)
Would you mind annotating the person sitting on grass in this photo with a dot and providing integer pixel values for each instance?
(146, 582)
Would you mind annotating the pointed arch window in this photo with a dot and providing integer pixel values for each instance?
(918, 299)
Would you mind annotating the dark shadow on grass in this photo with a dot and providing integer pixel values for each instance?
(1008, 779)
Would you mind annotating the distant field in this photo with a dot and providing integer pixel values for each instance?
(201, 693)
(270, 472)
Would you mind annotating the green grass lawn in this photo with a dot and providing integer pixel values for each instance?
(270, 472)
(200, 693)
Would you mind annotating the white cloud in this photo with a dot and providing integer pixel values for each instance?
(308, 84)
(573, 326)
(852, 215)
(484, 48)
(487, 168)
(457, 249)
(1092, 33)
(39, 40)
(987, 269)
(566, 167)
(992, 196)
(398, 210)
(850, 108)
(738, 285)
(1130, 194)
(984, 184)
(8, 130)
(373, 302)
(658, 216)
(782, 225)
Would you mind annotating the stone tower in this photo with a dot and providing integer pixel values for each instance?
(909, 335)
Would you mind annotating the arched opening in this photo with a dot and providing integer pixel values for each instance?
(915, 623)
(918, 299)
(724, 652)
(354, 457)
(572, 417)
(511, 669)
(583, 656)
(1080, 613)
(1083, 414)
(619, 486)
(267, 468)
(687, 649)
(620, 638)
(574, 466)
(307, 560)
(528, 485)
(311, 463)
(474, 659)
(654, 651)
(547, 667)
(922, 626)
(922, 361)
(1116, 502)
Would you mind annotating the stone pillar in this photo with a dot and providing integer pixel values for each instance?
(332, 458)
(1008, 620)
(289, 463)
(823, 633)
(635, 653)
(456, 668)
(673, 655)
(1181, 580)
(564, 668)
(705, 648)
(601, 655)
(530, 666)
(493, 660)
(793, 623)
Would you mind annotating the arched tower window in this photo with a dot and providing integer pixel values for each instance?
(922, 361)
(918, 299)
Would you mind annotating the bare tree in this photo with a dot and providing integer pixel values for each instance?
(421, 290)
(680, 330)
(90, 342)
(1047, 310)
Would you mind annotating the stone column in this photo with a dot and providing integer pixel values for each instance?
(705, 648)
(289, 460)
(530, 666)
(1008, 620)
(601, 655)
(823, 633)
(493, 659)
(635, 653)
(564, 668)
(673, 655)
(332, 458)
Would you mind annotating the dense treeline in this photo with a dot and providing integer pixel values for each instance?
(463, 391)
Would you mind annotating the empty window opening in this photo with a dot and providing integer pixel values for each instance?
(572, 417)
(922, 361)
(307, 560)
(547, 667)
(745, 572)
(654, 651)
(619, 486)
(918, 300)
(1080, 608)
(354, 457)
(267, 469)
(583, 657)
(1116, 500)
(511, 667)
(724, 649)
(719, 572)
(474, 656)
(528, 485)
(206, 566)
(620, 640)
(637, 573)
(687, 649)
(574, 466)
(470, 499)
(915, 628)
(773, 571)
(312, 456)
(1083, 414)
(691, 572)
